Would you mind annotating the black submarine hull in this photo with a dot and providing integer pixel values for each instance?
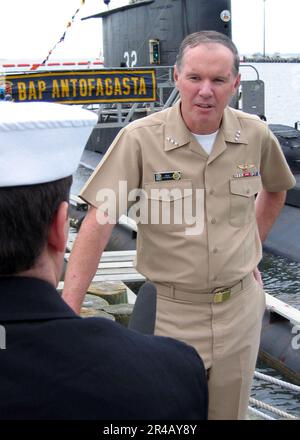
(279, 345)
(128, 30)
(283, 239)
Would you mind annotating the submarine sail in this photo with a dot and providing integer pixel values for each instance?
(149, 32)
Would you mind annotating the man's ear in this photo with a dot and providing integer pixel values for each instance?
(58, 231)
(237, 82)
(175, 73)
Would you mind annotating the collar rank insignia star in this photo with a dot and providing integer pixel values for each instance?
(167, 175)
(172, 141)
(237, 135)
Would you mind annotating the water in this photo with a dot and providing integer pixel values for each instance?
(285, 400)
(282, 90)
(281, 276)
(281, 279)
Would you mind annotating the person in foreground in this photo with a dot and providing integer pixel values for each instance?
(55, 364)
(202, 163)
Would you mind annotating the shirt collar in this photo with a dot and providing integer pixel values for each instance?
(177, 134)
(231, 127)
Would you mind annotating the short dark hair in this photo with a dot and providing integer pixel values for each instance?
(26, 213)
(206, 37)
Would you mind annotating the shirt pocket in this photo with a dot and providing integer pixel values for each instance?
(167, 202)
(242, 199)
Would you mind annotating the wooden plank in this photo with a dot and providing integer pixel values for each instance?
(129, 278)
(117, 259)
(124, 271)
(283, 309)
(121, 254)
(115, 265)
(112, 255)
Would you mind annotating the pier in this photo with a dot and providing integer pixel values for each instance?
(270, 59)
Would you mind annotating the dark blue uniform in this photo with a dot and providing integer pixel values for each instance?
(57, 365)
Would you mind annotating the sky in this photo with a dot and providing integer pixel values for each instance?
(30, 28)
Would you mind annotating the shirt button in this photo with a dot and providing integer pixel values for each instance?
(248, 191)
(212, 192)
(213, 221)
(215, 250)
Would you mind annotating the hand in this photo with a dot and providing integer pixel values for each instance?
(257, 276)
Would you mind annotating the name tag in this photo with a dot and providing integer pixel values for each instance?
(167, 175)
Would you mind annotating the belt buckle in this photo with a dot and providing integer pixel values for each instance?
(221, 294)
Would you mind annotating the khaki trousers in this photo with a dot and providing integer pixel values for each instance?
(226, 336)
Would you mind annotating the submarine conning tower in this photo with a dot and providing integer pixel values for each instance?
(149, 32)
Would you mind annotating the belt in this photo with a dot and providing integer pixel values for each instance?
(218, 295)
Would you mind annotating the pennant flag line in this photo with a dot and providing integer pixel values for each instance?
(62, 38)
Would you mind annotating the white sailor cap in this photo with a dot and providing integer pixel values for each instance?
(41, 142)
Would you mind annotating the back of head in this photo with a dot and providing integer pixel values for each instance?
(41, 145)
(26, 214)
(208, 37)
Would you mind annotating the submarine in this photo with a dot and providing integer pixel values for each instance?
(147, 34)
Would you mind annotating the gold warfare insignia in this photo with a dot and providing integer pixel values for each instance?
(246, 166)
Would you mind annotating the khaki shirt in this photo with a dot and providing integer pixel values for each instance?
(160, 153)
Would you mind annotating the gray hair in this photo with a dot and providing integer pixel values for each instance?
(206, 37)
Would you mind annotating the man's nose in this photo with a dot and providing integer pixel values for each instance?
(205, 89)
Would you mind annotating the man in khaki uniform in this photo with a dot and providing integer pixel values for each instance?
(199, 165)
